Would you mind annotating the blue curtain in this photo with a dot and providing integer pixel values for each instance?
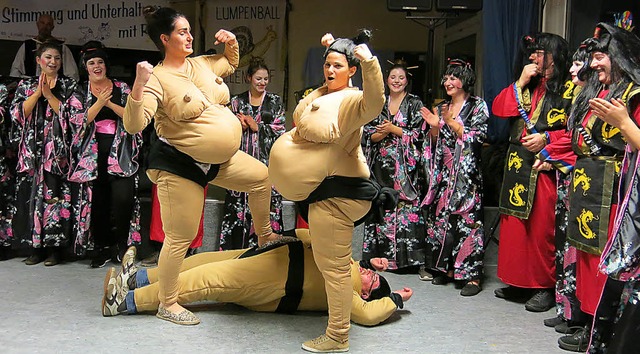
(505, 22)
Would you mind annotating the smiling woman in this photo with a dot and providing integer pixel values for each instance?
(107, 155)
(41, 111)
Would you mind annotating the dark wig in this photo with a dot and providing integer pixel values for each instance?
(623, 49)
(381, 291)
(256, 64)
(582, 55)
(160, 20)
(90, 50)
(49, 44)
(461, 69)
(402, 65)
(345, 46)
(550, 44)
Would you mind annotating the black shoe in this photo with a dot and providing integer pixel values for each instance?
(552, 322)
(511, 293)
(151, 261)
(100, 259)
(35, 257)
(53, 259)
(565, 328)
(541, 301)
(470, 289)
(441, 279)
(577, 342)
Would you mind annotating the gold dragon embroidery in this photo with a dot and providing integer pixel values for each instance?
(515, 161)
(581, 178)
(514, 195)
(585, 217)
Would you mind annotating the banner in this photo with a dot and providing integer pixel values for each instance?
(259, 26)
(117, 24)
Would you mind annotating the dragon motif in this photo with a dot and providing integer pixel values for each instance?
(585, 217)
(556, 115)
(515, 161)
(581, 178)
(608, 132)
(514, 195)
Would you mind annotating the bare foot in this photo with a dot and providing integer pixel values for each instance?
(264, 239)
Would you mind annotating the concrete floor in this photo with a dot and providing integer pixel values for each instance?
(57, 309)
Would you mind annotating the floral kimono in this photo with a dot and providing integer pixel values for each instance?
(237, 230)
(43, 203)
(453, 201)
(393, 163)
(122, 160)
(7, 178)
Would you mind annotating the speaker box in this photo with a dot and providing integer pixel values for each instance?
(458, 5)
(409, 5)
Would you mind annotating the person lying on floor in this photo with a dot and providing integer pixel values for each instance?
(280, 276)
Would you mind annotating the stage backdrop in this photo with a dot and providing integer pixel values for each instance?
(260, 27)
(118, 24)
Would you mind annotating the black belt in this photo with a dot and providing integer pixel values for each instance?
(167, 158)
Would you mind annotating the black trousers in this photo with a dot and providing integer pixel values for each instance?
(112, 201)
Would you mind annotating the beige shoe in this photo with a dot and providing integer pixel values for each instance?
(113, 298)
(425, 275)
(127, 276)
(186, 317)
(324, 344)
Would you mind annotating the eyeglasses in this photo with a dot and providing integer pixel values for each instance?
(539, 53)
(374, 278)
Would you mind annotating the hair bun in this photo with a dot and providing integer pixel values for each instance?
(150, 10)
(256, 61)
(363, 37)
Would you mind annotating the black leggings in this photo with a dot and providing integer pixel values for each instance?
(113, 201)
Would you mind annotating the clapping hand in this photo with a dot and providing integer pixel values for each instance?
(614, 112)
(430, 117)
(104, 96)
(384, 128)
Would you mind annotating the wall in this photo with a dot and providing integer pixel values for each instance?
(308, 22)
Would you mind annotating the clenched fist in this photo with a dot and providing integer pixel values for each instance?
(143, 72)
(362, 52)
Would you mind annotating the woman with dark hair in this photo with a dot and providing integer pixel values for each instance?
(391, 145)
(41, 111)
(320, 164)
(536, 105)
(453, 201)
(261, 114)
(198, 141)
(108, 156)
(611, 111)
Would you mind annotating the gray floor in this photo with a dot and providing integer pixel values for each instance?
(57, 309)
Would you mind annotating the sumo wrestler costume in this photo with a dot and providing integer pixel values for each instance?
(198, 144)
(325, 144)
(279, 277)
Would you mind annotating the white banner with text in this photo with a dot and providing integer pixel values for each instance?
(118, 24)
